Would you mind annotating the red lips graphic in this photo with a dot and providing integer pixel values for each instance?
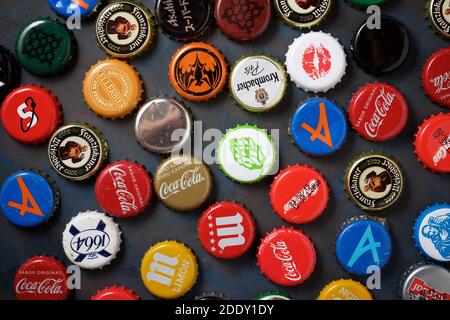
(316, 61)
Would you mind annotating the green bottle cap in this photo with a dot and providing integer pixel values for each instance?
(365, 3)
(45, 47)
(273, 295)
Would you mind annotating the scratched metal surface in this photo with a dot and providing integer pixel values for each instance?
(238, 279)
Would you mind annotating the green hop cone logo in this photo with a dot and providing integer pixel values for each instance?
(247, 153)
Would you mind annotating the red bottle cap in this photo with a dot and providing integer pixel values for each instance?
(243, 20)
(123, 189)
(115, 293)
(226, 230)
(41, 278)
(286, 256)
(378, 111)
(433, 143)
(436, 77)
(30, 114)
(299, 194)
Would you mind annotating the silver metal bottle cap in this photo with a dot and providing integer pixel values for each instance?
(426, 282)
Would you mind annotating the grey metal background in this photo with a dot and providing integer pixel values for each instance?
(240, 278)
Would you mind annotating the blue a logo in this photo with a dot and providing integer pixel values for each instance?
(367, 243)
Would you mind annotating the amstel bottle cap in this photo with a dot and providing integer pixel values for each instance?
(436, 75)
(125, 29)
(29, 198)
(430, 231)
(91, 240)
(226, 230)
(41, 278)
(303, 13)
(286, 257)
(438, 15)
(345, 290)
(112, 88)
(246, 154)
(45, 47)
(363, 242)
(243, 20)
(183, 183)
(273, 295)
(169, 269)
(124, 189)
(365, 3)
(115, 293)
(258, 83)
(378, 111)
(316, 62)
(9, 72)
(68, 8)
(30, 114)
(198, 71)
(374, 181)
(77, 151)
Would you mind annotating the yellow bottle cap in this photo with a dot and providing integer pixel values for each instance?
(169, 269)
(112, 88)
(345, 290)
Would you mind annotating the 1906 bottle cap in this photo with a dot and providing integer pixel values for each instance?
(112, 88)
(425, 282)
(243, 20)
(67, 8)
(432, 143)
(217, 234)
(378, 111)
(198, 71)
(163, 125)
(124, 189)
(115, 293)
(30, 114)
(436, 75)
(345, 290)
(9, 72)
(438, 15)
(125, 29)
(45, 47)
(77, 151)
(316, 61)
(286, 257)
(169, 269)
(303, 14)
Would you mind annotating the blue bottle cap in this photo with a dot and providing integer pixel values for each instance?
(432, 232)
(319, 127)
(67, 8)
(363, 243)
(28, 199)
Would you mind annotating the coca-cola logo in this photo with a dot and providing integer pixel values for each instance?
(126, 199)
(189, 179)
(45, 286)
(442, 152)
(383, 104)
(281, 252)
(441, 82)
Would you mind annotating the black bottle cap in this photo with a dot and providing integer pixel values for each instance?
(9, 73)
(381, 50)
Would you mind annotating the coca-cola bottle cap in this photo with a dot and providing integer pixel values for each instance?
(435, 77)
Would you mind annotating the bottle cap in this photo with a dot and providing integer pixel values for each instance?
(246, 154)
(430, 231)
(432, 143)
(112, 88)
(378, 111)
(211, 296)
(363, 242)
(258, 83)
(124, 189)
(115, 293)
(319, 127)
(184, 20)
(365, 3)
(436, 72)
(381, 50)
(41, 278)
(9, 72)
(45, 47)
(299, 194)
(226, 230)
(67, 8)
(163, 125)
(91, 240)
(77, 151)
(29, 198)
(374, 181)
(30, 114)
(286, 257)
(169, 269)
(125, 29)
(345, 290)
(425, 282)
(273, 295)
(316, 62)
(438, 15)
(198, 71)
(303, 14)
(243, 20)
(183, 183)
